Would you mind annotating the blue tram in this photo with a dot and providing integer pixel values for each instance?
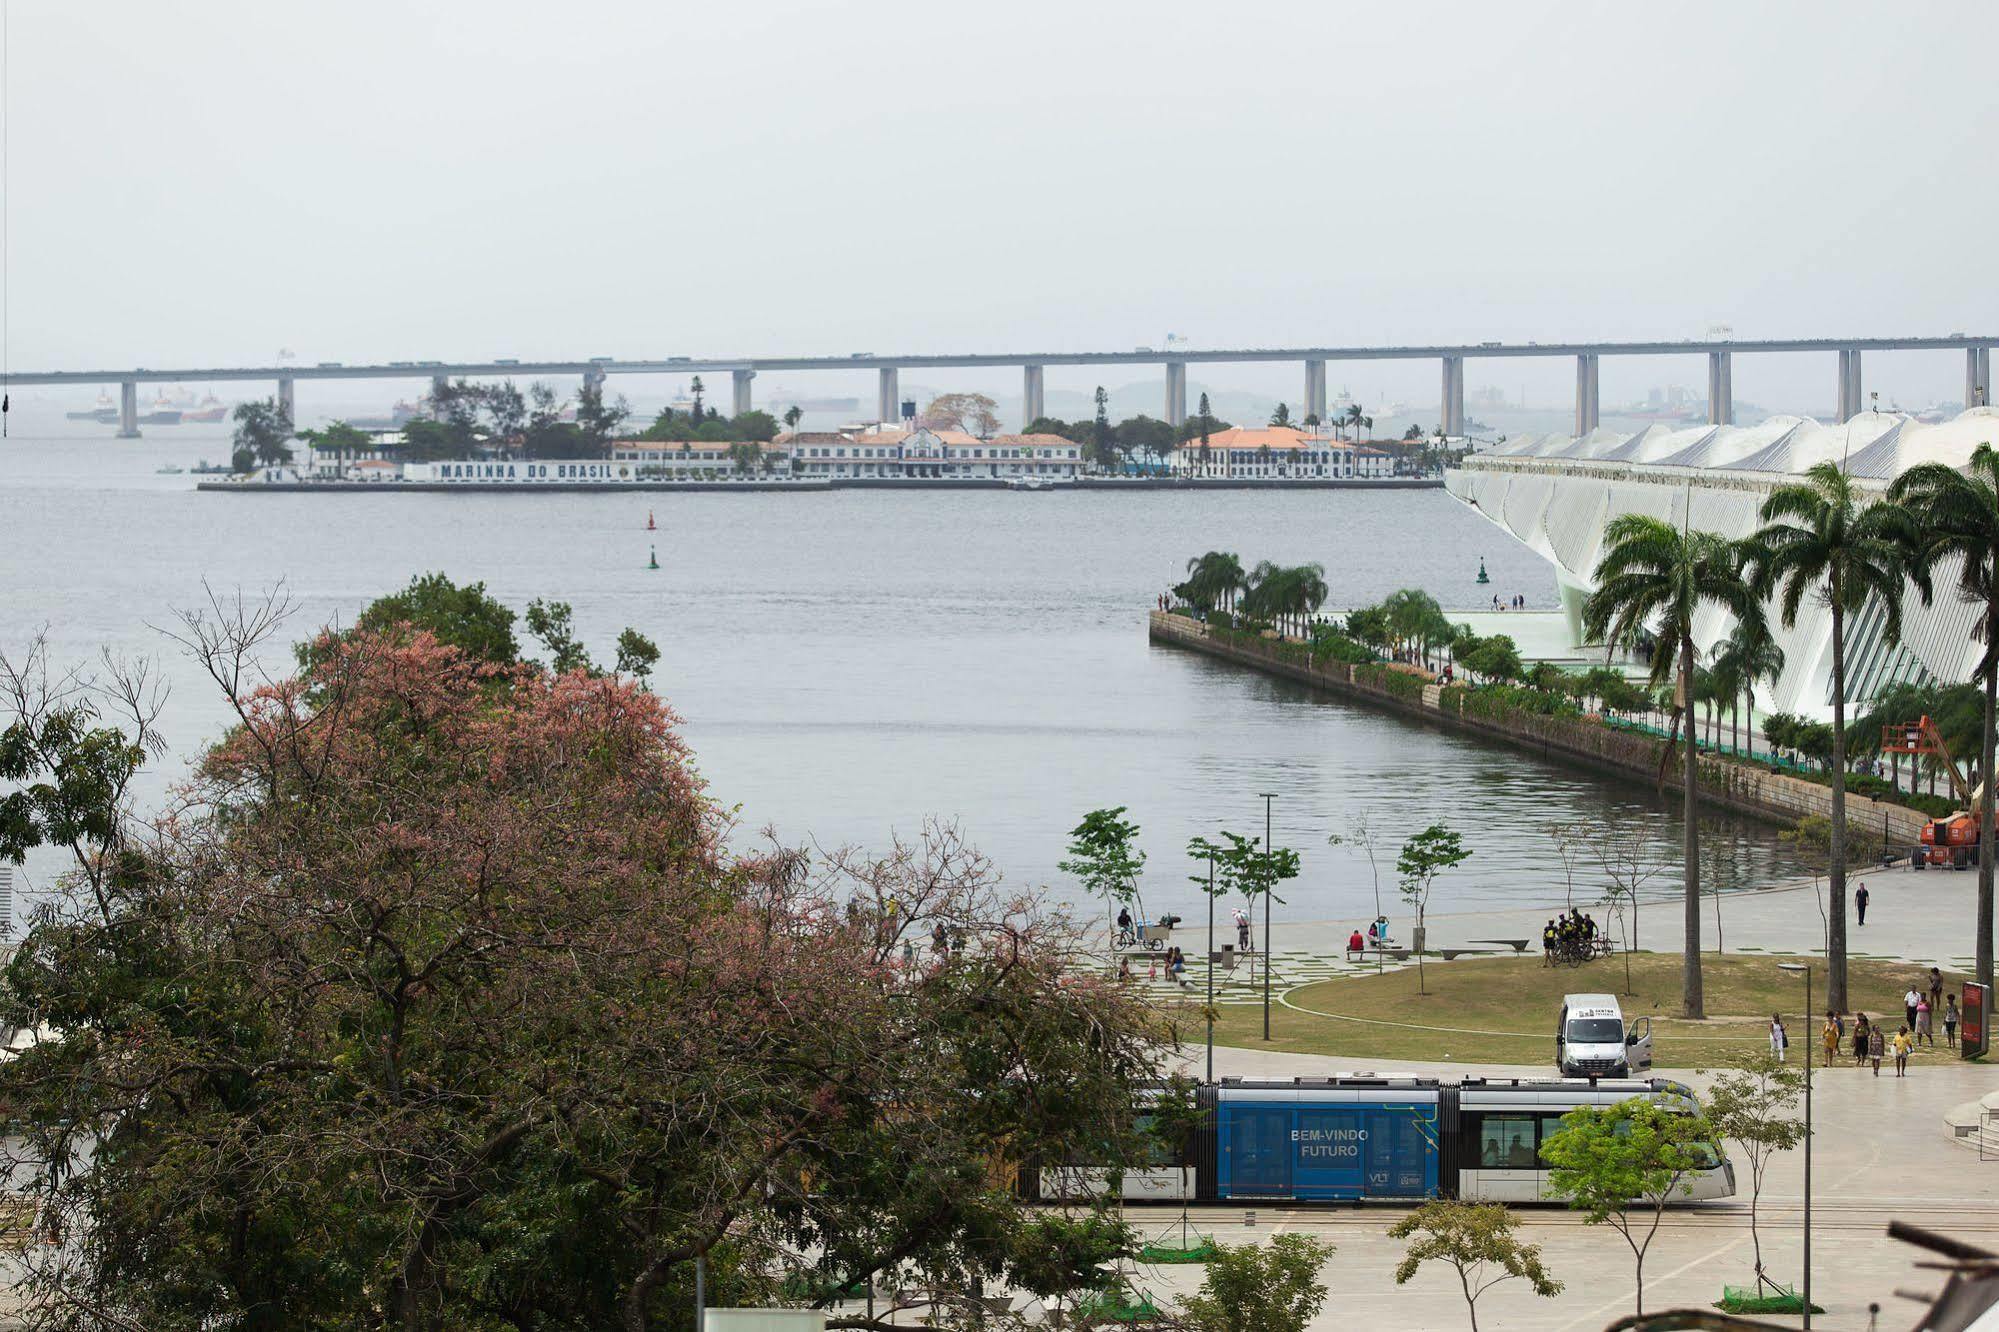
(1341, 1139)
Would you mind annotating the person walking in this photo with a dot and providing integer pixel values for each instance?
(1903, 1044)
(1860, 903)
(1924, 1032)
(1877, 1046)
(1936, 990)
(1909, 1002)
(1859, 1039)
(1780, 1039)
(1950, 1021)
(1829, 1037)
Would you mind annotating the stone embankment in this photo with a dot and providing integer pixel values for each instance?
(1737, 786)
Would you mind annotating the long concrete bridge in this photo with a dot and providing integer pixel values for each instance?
(1845, 353)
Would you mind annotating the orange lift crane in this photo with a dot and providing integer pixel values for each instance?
(1953, 839)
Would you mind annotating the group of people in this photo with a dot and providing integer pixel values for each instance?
(1377, 938)
(1511, 603)
(1871, 1042)
(1571, 932)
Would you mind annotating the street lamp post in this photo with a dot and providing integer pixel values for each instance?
(1267, 886)
(1806, 1028)
(1211, 966)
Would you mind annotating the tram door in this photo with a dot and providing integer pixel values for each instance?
(1256, 1151)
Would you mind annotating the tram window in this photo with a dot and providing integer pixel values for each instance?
(1506, 1142)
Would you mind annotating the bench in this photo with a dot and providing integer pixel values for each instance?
(1450, 954)
(1519, 946)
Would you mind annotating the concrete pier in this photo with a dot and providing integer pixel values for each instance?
(1720, 389)
(1587, 393)
(1315, 392)
(1032, 395)
(888, 395)
(1176, 393)
(1850, 384)
(288, 399)
(1977, 377)
(1453, 409)
(128, 410)
(741, 380)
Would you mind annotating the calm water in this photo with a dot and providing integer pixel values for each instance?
(850, 664)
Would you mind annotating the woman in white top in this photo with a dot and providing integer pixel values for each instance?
(1779, 1039)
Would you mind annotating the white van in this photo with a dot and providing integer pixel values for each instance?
(1592, 1040)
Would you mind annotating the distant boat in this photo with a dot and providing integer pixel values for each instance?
(210, 408)
(1029, 483)
(169, 470)
(206, 468)
(105, 412)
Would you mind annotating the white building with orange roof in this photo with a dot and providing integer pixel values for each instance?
(1278, 452)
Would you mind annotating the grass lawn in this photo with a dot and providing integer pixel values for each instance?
(1502, 1010)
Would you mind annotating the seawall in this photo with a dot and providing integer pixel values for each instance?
(812, 486)
(1736, 786)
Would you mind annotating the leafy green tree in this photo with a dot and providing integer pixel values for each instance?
(545, 434)
(1275, 1287)
(1755, 1105)
(425, 440)
(1654, 576)
(1243, 866)
(338, 439)
(745, 456)
(1103, 440)
(1476, 1241)
(263, 431)
(1821, 538)
(754, 426)
(1956, 526)
(1423, 857)
(553, 625)
(1105, 857)
(1494, 658)
(461, 617)
(1146, 434)
(443, 1006)
(637, 655)
(597, 421)
(1616, 1164)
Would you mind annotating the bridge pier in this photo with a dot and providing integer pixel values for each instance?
(1849, 383)
(1315, 392)
(1977, 377)
(288, 399)
(128, 409)
(742, 386)
(1453, 411)
(1032, 395)
(1176, 393)
(888, 396)
(1720, 389)
(1587, 395)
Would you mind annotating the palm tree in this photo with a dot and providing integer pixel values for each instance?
(1354, 417)
(1750, 656)
(1655, 576)
(1214, 578)
(1820, 537)
(1955, 520)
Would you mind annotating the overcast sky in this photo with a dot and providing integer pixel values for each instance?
(210, 182)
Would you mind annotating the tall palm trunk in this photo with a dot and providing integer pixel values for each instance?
(1835, 961)
(1691, 1000)
(1985, 832)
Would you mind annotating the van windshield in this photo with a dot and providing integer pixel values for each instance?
(1596, 1031)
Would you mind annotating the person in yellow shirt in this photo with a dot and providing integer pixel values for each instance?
(1829, 1038)
(1903, 1043)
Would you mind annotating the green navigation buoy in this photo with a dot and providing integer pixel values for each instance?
(652, 560)
(1481, 570)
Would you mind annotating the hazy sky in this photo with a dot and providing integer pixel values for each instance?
(209, 182)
